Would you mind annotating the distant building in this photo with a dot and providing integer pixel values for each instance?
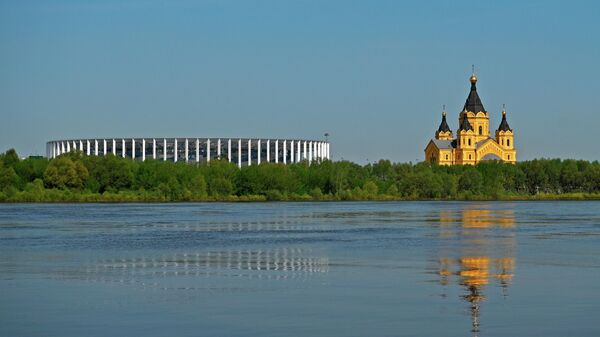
(242, 151)
(473, 142)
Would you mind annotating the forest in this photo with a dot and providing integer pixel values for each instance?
(75, 177)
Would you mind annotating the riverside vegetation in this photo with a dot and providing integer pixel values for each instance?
(74, 177)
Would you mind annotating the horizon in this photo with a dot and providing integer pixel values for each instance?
(374, 75)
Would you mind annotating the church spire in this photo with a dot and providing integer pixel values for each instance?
(464, 121)
(504, 124)
(444, 125)
(473, 102)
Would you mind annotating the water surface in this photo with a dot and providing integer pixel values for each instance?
(301, 269)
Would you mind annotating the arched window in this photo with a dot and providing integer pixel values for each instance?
(480, 130)
(469, 141)
(446, 157)
(508, 142)
(509, 157)
(469, 157)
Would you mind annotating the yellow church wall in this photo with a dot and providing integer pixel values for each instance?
(477, 120)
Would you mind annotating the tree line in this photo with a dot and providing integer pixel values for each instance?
(77, 177)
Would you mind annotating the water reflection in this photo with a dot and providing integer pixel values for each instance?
(477, 251)
(148, 270)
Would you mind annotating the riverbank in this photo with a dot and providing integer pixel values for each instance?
(62, 196)
(75, 177)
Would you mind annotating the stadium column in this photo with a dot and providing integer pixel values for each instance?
(291, 151)
(114, 147)
(89, 151)
(219, 148)
(268, 150)
(258, 150)
(208, 150)
(310, 152)
(285, 151)
(123, 147)
(81, 145)
(240, 152)
(164, 149)
(104, 147)
(249, 152)
(187, 151)
(319, 151)
(175, 150)
(132, 148)
(95, 147)
(143, 149)
(197, 150)
(304, 156)
(154, 148)
(298, 157)
(68, 146)
(276, 150)
(229, 149)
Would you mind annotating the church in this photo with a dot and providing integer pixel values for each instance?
(473, 142)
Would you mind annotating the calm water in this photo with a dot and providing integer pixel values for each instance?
(301, 269)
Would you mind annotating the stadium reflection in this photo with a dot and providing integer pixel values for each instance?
(273, 264)
(477, 251)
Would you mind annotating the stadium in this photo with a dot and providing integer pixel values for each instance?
(242, 151)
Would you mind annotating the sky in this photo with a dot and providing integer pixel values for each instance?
(373, 74)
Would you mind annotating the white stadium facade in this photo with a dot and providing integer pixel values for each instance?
(242, 151)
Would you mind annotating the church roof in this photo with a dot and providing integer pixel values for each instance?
(504, 124)
(444, 144)
(473, 102)
(444, 125)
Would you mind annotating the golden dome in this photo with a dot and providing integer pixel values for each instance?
(473, 78)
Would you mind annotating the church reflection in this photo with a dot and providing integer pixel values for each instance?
(476, 252)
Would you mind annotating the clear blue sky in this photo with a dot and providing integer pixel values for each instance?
(374, 74)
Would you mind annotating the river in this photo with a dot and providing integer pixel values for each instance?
(301, 269)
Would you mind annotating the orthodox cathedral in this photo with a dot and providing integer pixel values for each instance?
(473, 142)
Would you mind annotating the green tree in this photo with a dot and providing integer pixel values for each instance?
(62, 173)
(10, 158)
(8, 178)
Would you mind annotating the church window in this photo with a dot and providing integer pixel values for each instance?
(469, 157)
(480, 130)
(446, 157)
(469, 141)
(508, 142)
(509, 157)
